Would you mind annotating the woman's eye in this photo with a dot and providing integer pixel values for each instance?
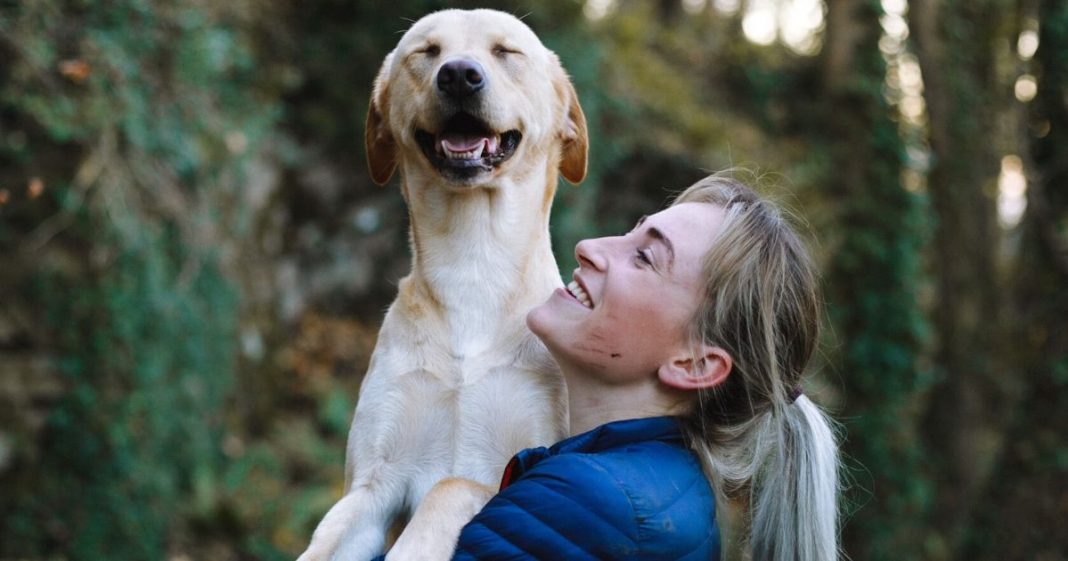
(643, 256)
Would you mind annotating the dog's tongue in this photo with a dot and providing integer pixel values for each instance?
(465, 143)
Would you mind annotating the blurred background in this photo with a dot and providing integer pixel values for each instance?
(194, 262)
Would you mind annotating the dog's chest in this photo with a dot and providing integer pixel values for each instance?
(470, 430)
(492, 409)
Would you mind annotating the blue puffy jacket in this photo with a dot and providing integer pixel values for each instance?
(625, 490)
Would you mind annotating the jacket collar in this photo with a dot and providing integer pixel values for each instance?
(604, 437)
(620, 433)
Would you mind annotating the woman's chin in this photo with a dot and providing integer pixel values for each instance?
(537, 318)
(560, 322)
(549, 323)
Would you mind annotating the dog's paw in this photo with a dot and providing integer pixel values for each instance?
(422, 552)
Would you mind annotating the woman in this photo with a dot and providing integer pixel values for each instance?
(682, 343)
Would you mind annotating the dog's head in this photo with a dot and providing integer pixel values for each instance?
(464, 94)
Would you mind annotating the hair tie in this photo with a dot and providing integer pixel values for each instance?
(794, 393)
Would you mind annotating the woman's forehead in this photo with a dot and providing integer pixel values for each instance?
(688, 221)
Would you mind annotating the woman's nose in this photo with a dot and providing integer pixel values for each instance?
(590, 253)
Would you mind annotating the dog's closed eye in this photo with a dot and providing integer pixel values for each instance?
(503, 51)
(431, 50)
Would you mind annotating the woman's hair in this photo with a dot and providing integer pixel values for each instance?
(766, 448)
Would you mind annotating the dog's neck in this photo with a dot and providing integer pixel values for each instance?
(484, 254)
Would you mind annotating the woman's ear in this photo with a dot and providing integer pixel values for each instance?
(710, 368)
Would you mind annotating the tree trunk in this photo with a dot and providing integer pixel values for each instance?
(955, 42)
(1028, 499)
(872, 282)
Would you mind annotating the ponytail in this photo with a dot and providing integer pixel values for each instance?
(776, 482)
(772, 459)
(795, 507)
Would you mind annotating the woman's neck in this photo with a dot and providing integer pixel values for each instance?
(594, 402)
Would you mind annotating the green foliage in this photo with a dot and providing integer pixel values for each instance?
(260, 511)
(148, 362)
(145, 107)
(153, 74)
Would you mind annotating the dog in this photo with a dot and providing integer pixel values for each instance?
(480, 119)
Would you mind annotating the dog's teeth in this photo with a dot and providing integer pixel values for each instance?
(492, 143)
(473, 154)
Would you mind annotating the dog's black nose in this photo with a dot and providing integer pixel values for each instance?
(461, 77)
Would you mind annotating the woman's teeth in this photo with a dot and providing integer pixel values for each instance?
(579, 294)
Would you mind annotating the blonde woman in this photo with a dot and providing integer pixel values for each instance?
(683, 343)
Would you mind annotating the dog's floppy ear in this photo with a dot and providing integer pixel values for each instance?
(576, 140)
(378, 140)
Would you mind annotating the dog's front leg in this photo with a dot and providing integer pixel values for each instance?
(355, 528)
(435, 526)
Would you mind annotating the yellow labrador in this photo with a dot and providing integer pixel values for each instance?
(480, 119)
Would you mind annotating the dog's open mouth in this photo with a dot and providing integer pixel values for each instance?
(466, 146)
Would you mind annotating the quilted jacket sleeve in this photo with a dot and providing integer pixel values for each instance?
(567, 507)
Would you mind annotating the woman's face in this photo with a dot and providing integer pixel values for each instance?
(627, 311)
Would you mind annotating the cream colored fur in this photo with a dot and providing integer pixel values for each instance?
(457, 384)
